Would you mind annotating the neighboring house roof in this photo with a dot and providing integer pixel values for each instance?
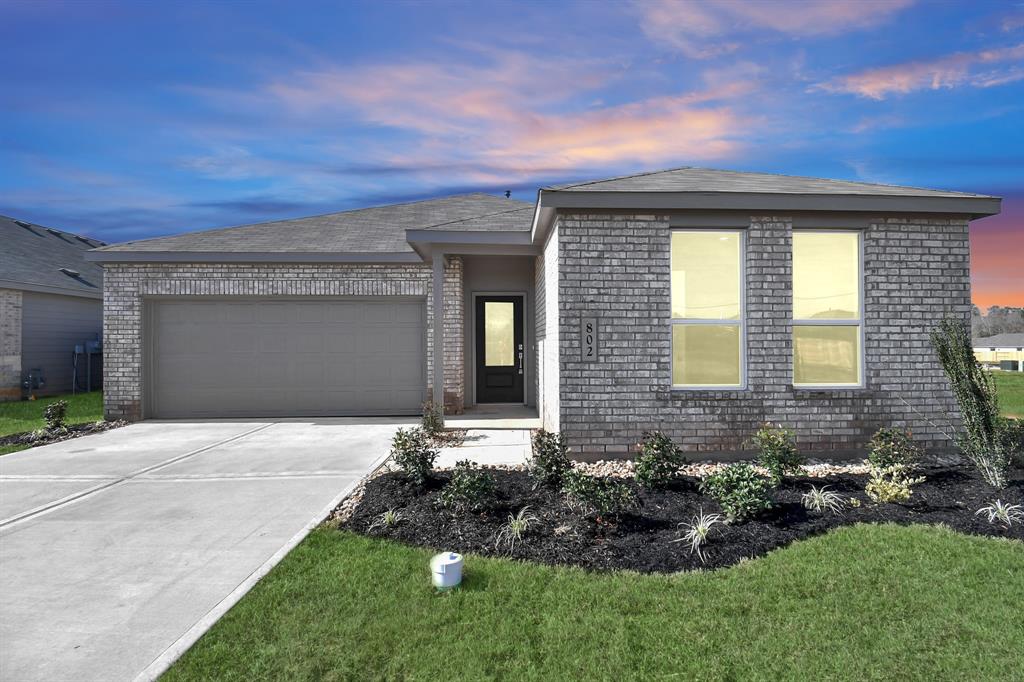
(1000, 341)
(689, 179)
(376, 230)
(37, 258)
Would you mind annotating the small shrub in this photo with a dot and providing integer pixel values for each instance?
(891, 484)
(513, 531)
(471, 488)
(389, 519)
(550, 460)
(432, 421)
(892, 447)
(659, 460)
(414, 452)
(822, 499)
(600, 497)
(697, 531)
(55, 414)
(989, 440)
(1003, 512)
(740, 490)
(778, 453)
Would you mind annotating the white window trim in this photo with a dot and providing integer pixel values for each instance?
(741, 323)
(858, 321)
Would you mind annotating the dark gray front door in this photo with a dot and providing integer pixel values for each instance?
(286, 357)
(499, 349)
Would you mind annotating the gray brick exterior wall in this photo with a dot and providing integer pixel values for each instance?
(616, 268)
(10, 344)
(127, 285)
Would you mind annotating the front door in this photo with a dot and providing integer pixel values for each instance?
(499, 349)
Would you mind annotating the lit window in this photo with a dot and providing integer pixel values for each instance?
(827, 312)
(707, 309)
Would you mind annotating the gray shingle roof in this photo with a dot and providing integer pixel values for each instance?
(688, 179)
(380, 229)
(1000, 341)
(32, 257)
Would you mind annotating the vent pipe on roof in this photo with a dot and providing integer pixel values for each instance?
(71, 273)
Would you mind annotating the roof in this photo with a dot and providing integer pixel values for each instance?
(375, 230)
(37, 258)
(689, 179)
(1000, 341)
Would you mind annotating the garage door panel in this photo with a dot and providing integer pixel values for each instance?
(253, 358)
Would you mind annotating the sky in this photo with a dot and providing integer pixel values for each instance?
(129, 120)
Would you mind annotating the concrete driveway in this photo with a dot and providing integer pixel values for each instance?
(118, 549)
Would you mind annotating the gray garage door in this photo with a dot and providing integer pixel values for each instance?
(303, 357)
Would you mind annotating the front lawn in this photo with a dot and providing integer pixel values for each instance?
(1010, 386)
(862, 602)
(27, 415)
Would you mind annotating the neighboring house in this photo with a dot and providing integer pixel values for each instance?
(51, 300)
(696, 302)
(993, 350)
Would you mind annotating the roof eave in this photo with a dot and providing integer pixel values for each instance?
(481, 242)
(102, 256)
(96, 293)
(976, 207)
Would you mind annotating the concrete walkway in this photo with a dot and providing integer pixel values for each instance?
(118, 549)
(488, 447)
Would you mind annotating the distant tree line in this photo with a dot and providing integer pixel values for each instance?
(998, 320)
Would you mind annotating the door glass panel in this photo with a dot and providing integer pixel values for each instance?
(499, 334)
(826, 355)
(705, 355)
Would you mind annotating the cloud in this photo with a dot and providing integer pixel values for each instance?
(981, 69)
(702, 29)
(508, 114)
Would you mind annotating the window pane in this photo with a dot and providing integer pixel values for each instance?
(706, 355)
(499, 333)
(706, 275)
(826, 355)
(826, 281)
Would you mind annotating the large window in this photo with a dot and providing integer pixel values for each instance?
(707, 309)
(827, 309)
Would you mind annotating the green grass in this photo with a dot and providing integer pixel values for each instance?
(864, 602)
(1010, 386)
(27, 415)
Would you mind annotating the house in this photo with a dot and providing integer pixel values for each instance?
(51, 300)
(696, 302)
(1001, 348)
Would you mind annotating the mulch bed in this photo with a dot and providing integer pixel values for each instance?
(642, 541)
(42, 437)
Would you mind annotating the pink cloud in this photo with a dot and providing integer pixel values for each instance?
(703, 29)
(982, 69)
(515, 113)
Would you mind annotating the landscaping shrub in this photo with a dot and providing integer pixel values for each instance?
(414, 452)
(778, 453)
(600, 497)
(470, 488)
(432, 421)
(658, 462)
(550, 460)
(1003, 512)
(988, 440)
(740, 490)
(55, 415)
(514, 531)
(389, 519)
(822, 499)
(696, 532)
(891, 484)
(892, 447)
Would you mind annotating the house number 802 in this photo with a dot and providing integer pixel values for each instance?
(588, 339)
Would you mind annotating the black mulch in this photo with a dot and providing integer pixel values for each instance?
(642, 541)
(43, 437)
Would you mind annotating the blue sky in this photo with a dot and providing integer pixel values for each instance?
(128, 120)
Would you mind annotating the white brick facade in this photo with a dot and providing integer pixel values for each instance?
(616, 268)
(10, 344)
(127, 285)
